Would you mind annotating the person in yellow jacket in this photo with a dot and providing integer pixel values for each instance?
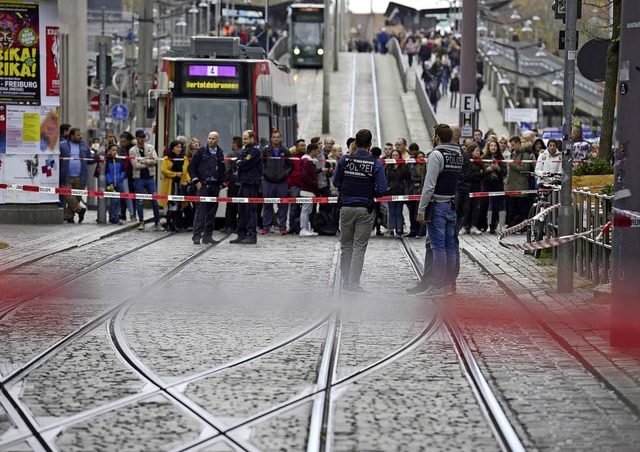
(174, 177)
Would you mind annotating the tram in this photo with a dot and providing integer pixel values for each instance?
(217, 84)
(306, 29)
(220, 85)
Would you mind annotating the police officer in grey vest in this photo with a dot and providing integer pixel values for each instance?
(360, 178)
(437, 209)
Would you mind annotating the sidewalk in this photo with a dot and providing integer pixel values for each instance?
(579, 320)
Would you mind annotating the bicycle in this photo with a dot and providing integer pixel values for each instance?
(540, 229)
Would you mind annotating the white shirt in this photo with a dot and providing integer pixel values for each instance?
(548, 163)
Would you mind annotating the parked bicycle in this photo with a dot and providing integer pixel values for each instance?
(543, 228)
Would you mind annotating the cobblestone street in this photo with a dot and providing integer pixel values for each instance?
(225, 352)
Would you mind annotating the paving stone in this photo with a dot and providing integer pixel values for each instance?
(153, 424)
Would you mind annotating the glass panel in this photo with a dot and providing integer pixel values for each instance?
(264, 130)
(196, 117)
(307, 33)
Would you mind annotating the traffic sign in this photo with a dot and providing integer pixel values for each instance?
(467, 103)
(119, 112)
(95, 103)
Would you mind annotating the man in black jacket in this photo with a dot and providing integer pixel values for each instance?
(249, 169)
(207, 173)
(277, 167)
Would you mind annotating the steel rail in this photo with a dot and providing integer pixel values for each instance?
(375, 100)
(62, 344)
(495, 415)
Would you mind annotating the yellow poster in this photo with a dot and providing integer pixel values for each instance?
(31, 128)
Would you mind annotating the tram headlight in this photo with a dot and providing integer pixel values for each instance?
(296, 51)
(320, 52)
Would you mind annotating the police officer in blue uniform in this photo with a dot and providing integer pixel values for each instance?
(360, 178)
(437, 209)
(207, 172)
(249, 169)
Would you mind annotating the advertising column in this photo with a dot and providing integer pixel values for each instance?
(29, 99)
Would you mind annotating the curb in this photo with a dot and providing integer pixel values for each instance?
(595, 361)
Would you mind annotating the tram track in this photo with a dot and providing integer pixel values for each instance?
(22, 257)
(9, 385)
(6, 310)
(113, 319)
(500, 425)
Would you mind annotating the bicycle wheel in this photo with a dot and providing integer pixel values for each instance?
(531, 227)
(539, 228)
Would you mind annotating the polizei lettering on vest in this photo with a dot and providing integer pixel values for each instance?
(359, 168)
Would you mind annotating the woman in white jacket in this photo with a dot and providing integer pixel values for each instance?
(549, 161)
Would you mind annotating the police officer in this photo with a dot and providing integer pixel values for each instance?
(207, 173)
(360, 178)
(249, 169)
(437, 209)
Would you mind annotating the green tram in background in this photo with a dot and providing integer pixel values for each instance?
(306, 31)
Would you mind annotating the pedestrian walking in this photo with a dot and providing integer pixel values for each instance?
(360, 179)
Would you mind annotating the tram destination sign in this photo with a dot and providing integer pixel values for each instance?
(207, 79)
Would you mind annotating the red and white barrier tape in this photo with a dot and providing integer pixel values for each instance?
(385, 161)
(625, 218)
(319, 200)
(547, 243)
(485, 194)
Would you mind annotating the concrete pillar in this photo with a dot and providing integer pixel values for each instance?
(73, 90)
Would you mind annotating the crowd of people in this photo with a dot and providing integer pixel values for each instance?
(490, 163)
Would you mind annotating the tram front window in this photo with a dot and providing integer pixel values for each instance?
(196, 117)
(307, 33)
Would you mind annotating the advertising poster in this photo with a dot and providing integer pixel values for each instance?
(3, 129)
(31, 169)
(19, 48)
(2, 158)
(49, 129)
(23, 129)
(52, 61)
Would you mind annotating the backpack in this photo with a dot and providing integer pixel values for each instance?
(322, 223)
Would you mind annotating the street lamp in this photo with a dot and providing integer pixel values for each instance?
(536, 20)
(194, 17)
(206, 6)
(515, 15)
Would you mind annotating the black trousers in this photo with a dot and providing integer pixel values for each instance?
(248, 213)
(205, 218)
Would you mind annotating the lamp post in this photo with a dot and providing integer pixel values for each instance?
(536, 20)
(205, 5)
(194, 17)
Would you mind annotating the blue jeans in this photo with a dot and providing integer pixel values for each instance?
(396, 219)
(275, 190)
(442, 231)
(114, 206)
(128, 202)
(148, 185)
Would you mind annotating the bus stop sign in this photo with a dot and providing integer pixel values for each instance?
(119, 112)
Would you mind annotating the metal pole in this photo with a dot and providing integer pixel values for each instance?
(102, 181)
(566, 215)
(208, 18)
(516, 76)
(145, 62)
(625, 312)
(468, 61)
(336, 34)
(266, 23)
(325, 73)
